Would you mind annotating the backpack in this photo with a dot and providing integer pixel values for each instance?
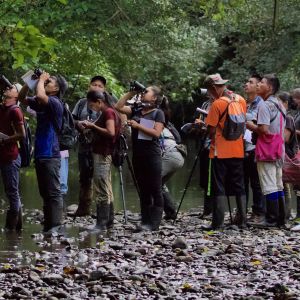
(25, 144)
(67, 135)
(235, 121)
(175, 133)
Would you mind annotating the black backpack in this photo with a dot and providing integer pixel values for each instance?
(67, 135)
(25, 144)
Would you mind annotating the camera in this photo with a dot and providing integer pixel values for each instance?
(37, 73)
(5, 83)
(137, 86)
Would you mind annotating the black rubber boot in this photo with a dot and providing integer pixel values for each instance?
(103, 212)
(19, 225)
(111, 216)
(298, 207)
(218, 214)
(241, 203)
(169, 206)
(272, 211)
(11, 220)
(281, 211)
(53, 216)
(271, 217)
(207, 207)
(156, 213)
(85, 200)
(47, 218)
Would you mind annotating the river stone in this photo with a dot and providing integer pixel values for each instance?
(53, 278)
(180, 243)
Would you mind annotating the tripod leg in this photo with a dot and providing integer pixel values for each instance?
(189, 180)
(133, 175)
(122, 193)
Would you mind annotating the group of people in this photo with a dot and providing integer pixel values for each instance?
(244, 142)
(256, 157)
(100, 120)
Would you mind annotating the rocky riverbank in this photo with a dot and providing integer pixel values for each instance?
(178, 262)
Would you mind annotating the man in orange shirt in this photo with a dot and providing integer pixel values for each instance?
(227, 155)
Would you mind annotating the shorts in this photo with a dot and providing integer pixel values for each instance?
(270, 177)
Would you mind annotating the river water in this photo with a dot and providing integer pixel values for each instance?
(14, 246)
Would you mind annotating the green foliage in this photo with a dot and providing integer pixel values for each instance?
(169, 43)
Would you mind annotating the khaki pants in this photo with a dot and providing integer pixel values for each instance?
(270, 177)
(102, 179)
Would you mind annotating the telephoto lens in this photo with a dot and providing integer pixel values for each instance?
(137, 86)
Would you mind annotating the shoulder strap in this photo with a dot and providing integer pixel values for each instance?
(226, 109)
(279, 109)
(80, 108)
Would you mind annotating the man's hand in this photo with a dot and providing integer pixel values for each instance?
(45, 76)
(80, 125)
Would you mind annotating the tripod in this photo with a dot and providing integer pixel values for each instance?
(122, 156)
(190, 177)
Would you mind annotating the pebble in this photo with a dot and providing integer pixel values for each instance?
(177, 262)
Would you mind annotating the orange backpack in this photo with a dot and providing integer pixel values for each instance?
(235, 121)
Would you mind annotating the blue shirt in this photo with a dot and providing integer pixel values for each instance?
(49, 121)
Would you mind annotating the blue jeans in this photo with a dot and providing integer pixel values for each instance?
(11, 176)
(64, 168)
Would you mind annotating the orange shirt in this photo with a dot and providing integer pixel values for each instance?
(220, 147)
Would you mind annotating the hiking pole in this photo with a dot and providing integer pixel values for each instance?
(190, 177)
(122, 193)
(229, 207)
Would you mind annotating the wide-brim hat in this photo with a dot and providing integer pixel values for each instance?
(214, 79)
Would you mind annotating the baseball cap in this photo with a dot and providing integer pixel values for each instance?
(100, 78)
(18, 87)
(214, 79)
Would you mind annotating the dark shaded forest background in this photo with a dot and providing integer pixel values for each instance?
(173, 44)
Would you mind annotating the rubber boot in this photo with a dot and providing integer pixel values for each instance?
(85, 200)
(272, 211)
(111, 216)
(241, 203)
(298, 208)
(169, 206)
(218, 213)
(19, 225)
(11, 220)
(156, 213)
(271, 217)
(103, 212)
(208, 207)
(145, 219)
(47, 218)
(281, 221)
